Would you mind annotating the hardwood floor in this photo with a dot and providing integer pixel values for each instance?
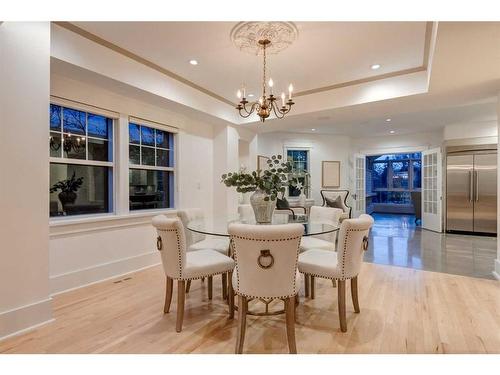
(402, 311)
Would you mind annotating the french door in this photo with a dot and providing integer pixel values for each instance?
(432, 190)
(359, 195)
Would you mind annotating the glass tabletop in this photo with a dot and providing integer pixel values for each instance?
(219, 226)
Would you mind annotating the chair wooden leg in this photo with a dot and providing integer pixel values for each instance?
(224, 286)
(230, 296)
(354, 293)
(312, 287)
(188, 286)
(168, 294)
(242, 322)
(210, 286)
(181, 296)
(290, 324)
(306, 285)
(341, 302)
(334, 283)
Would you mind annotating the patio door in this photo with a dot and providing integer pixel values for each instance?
(432, 190)
(359, 196)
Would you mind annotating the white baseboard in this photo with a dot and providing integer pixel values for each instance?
(100, 272)
(496, 273)
(25, 318)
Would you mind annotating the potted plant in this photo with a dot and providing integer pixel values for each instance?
(266, 186)
(68, 189)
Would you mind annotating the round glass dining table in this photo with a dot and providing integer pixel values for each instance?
(219, 226)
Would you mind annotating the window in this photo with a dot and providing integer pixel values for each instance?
(81, 162)
(300, 166)
(390, 178)
(151, 163)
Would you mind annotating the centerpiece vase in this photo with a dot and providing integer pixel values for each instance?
(262, 209)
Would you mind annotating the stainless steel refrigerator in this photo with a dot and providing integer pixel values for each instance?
(471, 191)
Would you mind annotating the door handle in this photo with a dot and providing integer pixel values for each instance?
(476, 188)
(471, 185)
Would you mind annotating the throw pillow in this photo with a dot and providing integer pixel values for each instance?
(335, 203)
(282, 204)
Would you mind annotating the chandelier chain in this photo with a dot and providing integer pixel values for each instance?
(264, 74)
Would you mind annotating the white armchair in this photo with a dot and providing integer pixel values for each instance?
(342, 265)
(185, 266)
(339, 196)
(266, 268)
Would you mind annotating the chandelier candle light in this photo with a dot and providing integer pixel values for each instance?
(265, 104)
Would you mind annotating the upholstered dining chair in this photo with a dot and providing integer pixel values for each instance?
(198, 241)
(324, 215)
(183, 266)
(266, 268)
(327, 241)
(342, 265)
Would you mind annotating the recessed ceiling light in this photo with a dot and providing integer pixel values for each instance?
(251, 95)
(193, 62)
(392, 132)
(375, 66)
(313, 130)
(388, 119)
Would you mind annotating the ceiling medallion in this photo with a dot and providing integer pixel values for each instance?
(246, 36)
(257, 38)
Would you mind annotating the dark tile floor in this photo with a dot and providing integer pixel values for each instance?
(396, 240)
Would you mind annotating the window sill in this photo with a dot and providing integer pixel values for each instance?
(76, 225)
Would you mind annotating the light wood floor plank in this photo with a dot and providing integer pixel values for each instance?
(402, 311)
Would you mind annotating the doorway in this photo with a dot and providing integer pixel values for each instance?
(393, 185)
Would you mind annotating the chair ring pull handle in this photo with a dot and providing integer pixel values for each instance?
(265, 259)
(159, 243)
(366, 242)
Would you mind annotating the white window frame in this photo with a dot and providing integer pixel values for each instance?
(64, 103)
(173, 170)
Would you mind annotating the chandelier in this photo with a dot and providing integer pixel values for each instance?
(265, 104)
(76, 145)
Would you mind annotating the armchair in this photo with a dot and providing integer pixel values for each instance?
(333, 195)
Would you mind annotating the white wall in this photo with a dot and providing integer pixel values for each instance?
(393, 143)
(24, 246)
(322, 147)
(82, 250)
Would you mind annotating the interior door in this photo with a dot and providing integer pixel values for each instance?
(359, 195)
(432, 190)
(459, 193)
(485, 193)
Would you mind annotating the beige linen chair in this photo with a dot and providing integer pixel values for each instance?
(185, 266)
(342, 265)
(266, 268)
(199, 241)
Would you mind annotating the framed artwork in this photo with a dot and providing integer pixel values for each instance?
(262, 162)
(330, 174)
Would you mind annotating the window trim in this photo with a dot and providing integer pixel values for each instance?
(112, 165)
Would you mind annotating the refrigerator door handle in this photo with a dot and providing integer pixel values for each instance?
(476, 187)
(471, 185)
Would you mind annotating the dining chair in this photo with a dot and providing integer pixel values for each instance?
(342, 265)
(183, 266)
(198, 241)
(323, 215)
(266, 268)
(327, 241)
